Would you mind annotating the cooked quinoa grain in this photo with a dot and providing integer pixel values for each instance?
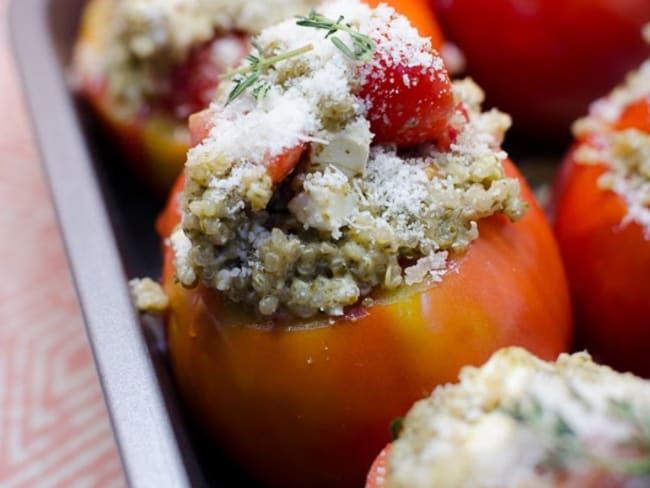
(148, 295)
(353, 217)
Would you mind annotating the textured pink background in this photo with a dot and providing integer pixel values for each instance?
(54, 429)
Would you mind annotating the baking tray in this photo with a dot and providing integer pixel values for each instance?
(107, 222)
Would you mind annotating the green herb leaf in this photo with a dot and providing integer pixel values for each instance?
(241, 84)
(260, 91)
(343, 48)
(258, 65)
(363, 46)
(396, 427)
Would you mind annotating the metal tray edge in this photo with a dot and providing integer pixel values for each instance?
(141, 424)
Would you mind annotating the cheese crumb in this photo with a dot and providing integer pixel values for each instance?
(431, 267)
(148, 296)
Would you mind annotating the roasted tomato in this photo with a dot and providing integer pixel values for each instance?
(603, 232)
(285, 399)
(284, 375)
(529, 413)
(155, 140)
(545, 61)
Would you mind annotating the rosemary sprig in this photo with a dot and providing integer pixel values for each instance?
(249, 76)
(363, 47)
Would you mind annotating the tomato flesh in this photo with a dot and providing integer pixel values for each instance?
(636, 116)
(281, 165)
(193, 83)
(407, 105)
(200, 124)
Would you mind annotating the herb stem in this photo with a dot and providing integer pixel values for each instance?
(363, 46)
(264, 63)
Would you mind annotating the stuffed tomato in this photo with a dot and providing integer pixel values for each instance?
(602, 221)
(520, 422)
(347, 235)
(145, 66)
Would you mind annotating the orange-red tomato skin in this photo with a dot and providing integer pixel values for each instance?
(283, 401)
(544, 61)
(607, 256)
(377, 475)
(608, 264)
(636, 115)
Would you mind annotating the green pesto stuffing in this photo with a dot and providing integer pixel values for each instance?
(521, 421)
(323, 240)
(625, 152)
(351, 219)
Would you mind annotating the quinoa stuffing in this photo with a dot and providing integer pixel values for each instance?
(519, 421)
(146, 38)
(625, 152)
(148, 295)
(350, 218)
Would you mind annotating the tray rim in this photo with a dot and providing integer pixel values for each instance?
(149, 451)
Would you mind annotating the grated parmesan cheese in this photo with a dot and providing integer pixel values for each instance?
(521, 422)
(351, 214)
(148, 296)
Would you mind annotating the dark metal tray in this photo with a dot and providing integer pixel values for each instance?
(107, 221)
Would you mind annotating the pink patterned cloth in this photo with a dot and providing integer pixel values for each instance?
(54, 429)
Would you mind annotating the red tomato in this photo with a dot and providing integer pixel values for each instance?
(278, 167)
(408, 105)
(200, 124)
(193, 83)
(543, 61)
(283, 399)
(156, 139)
(607, 262)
